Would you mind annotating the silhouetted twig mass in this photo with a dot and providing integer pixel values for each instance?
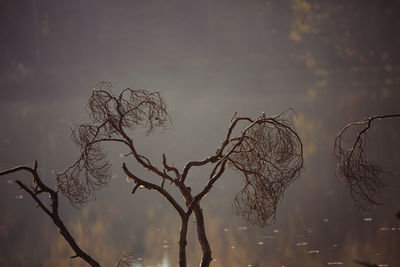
(364, 177)
(266, 150)
(269, 155)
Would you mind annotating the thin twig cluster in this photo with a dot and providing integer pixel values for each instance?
(35, 189)
(364, 177)
(109, 116)
(269, 157)
(266, 150)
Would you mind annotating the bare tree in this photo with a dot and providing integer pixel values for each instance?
(364, 177)
(266, 151)
(37, 188)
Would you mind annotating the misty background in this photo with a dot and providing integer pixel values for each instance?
(334, 62)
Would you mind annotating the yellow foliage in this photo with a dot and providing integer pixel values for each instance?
(302, 20)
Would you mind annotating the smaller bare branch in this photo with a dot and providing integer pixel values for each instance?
(135, 188)
(210, 183)
(52, 212)
(146, 160)
(112, 116)
(34, 196)
(227, 140)
(269, 154)
(159, 189)
(218, 154)
(234, 116)
(190, 164)
(169, 168)
(364, 177)
(16, 169)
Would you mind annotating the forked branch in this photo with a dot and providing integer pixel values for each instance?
(39, 187)
(269, 155)
(266, 150)
(364, 177)
(142, 183)
(111, 119)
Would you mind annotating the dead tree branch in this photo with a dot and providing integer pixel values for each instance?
(269, 155)
(152, 186)
(111, 116)
(51, 211)
(266, 150)
(364, 177)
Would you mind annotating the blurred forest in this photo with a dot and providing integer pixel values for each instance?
(334, 62)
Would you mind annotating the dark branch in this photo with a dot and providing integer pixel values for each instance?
(269, 155)
(217, 155)
(150, 186)
(112, 116)
(169, 168)
(52, 212)
(209, 185)
(364, 177)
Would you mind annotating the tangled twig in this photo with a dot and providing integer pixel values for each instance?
(364, 177)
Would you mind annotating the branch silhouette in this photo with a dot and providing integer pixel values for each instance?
(38, 187)
(266, 151)
(364, 177)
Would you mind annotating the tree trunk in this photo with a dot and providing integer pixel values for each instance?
(182, 241)
(201, 236)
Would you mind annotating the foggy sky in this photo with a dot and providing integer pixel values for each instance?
(333, 62)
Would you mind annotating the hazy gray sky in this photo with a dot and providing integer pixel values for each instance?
(332, 61)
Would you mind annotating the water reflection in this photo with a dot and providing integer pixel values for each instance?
(389, 229)
(163, 263)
